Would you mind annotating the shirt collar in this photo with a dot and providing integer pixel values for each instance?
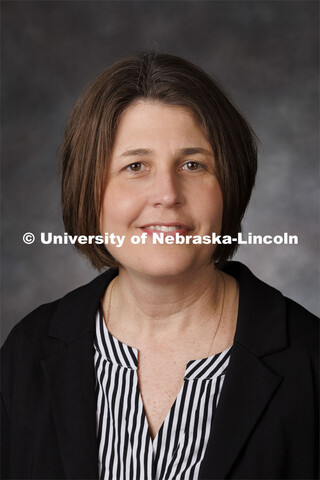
(111, 348)
(208, 368)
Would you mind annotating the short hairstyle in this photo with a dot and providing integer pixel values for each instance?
(92, 126)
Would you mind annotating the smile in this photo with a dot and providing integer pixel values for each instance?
(164, 228)
(167, 228)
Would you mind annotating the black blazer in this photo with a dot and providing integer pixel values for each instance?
(265, 426)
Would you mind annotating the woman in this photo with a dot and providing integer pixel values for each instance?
(174, 363)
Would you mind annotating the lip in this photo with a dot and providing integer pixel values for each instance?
(183, 229)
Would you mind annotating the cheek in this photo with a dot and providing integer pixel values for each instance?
(209, 205)
(118, 207)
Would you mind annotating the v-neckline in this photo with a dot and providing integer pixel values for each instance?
(120, 354)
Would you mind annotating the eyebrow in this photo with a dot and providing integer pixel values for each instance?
(182, 152)
(136, 152)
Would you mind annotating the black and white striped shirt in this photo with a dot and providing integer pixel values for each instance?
(126, 449)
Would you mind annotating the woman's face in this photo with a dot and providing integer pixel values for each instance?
(161, 176)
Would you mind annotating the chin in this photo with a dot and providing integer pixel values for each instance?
(164, 270)
(161, 264)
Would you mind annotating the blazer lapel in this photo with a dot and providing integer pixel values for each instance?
(71, 379)
(248, 388)
(249, 383)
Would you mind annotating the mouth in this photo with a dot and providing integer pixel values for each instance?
(166, 228)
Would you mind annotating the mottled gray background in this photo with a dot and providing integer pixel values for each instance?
(264, 53)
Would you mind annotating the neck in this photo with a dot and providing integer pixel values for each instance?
(163, 307)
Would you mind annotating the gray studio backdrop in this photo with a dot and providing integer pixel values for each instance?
(263, 53)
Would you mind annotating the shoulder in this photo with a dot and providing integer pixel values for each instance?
(267, 320)
(38, 333)
(28, 332)
(260, 295)
(34, 324)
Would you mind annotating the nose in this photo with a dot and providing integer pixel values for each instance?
(166, 190)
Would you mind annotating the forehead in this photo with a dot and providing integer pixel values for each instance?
(153, 123)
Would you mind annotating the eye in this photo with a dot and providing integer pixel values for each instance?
(135, 167)
(192, 166)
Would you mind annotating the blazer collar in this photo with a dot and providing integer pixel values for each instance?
(76, 311)
(261, 325)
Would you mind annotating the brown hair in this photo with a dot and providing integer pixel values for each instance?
(91, 131)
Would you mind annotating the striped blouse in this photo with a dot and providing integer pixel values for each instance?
(126, 449)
